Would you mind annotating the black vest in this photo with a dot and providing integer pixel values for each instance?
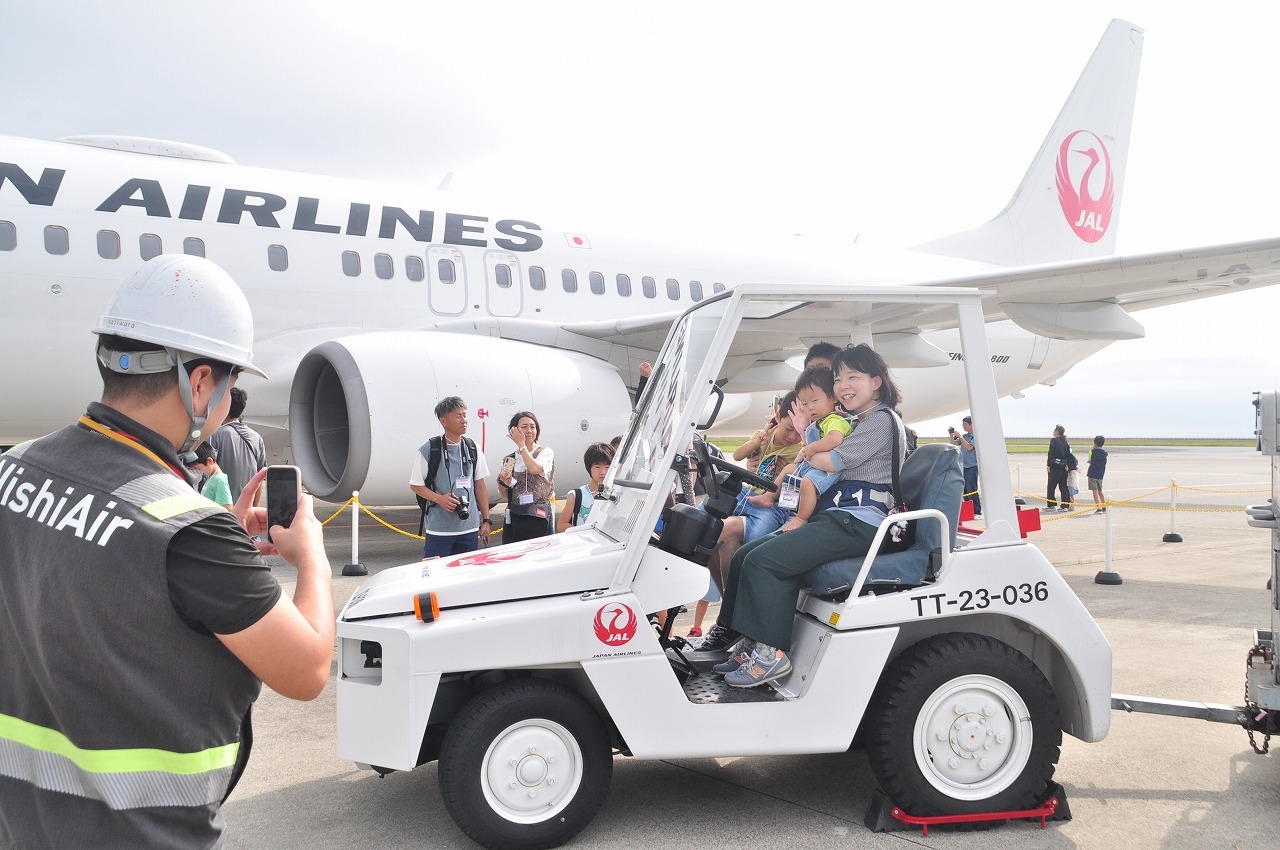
(119, 725)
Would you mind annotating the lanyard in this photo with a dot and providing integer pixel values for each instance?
(130, 441)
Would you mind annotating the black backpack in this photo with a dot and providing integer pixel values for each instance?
(435, 449)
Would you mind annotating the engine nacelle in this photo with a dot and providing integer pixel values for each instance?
(360, 406)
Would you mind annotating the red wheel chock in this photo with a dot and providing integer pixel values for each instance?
(1043, 812)
(883, 816)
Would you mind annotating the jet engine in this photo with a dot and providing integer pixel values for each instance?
(360, 406)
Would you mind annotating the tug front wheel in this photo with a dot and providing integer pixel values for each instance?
(526, 765)
(962, 723)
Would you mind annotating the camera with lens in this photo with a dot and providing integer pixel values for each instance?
(463, 510)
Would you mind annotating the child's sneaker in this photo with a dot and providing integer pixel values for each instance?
(759, 670)
(694, 632)
(733, 663)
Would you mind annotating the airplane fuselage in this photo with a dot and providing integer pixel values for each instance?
(321, 258)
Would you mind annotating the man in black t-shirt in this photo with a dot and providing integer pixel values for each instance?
(138, 620)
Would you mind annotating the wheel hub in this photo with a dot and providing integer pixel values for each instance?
(972, 736)
(532, 770)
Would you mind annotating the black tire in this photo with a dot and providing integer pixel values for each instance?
(506, 751)
(962, 723)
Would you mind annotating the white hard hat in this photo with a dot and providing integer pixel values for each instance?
(185, 304)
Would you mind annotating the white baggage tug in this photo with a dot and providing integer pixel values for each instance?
(525, 669)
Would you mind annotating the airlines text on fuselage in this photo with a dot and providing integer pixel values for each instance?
(267, 209)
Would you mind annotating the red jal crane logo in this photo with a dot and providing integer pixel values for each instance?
(615, 624)
(1088, 214)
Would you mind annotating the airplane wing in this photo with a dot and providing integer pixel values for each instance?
(1091, 299)
(647, 332)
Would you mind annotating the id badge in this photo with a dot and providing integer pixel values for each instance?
(789, 498)
(463, 482)
(525, 499)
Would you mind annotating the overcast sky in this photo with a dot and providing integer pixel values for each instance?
(681, 120)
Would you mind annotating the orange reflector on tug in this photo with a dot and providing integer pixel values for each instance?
(426, 606)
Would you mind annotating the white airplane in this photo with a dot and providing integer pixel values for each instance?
(371, 302)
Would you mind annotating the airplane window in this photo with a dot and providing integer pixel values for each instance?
(383, 267)
(673, 289)
(448, 274)
(8, 236)
(56, 240)
(569, 278)
(193, 246)
(715, 287)
(277, 257)
(624, 288)
(537, 278)
(695, 292)
(350, 263)
(109, 245)
(597, 283)
(150, 245)
(649, 286)
(502, 277)
(413, 268)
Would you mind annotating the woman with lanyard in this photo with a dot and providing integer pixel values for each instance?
(528, 479)
(766, 575)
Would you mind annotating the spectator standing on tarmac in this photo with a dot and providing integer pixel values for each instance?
(137, 619)
(1057, 465)
(1097, 469)
(528, 479)
(239, 448)
(215, 487)
(969, 462)
(448, 478)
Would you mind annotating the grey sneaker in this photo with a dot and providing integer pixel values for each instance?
(733, 663)
(759, 670)
(718, 638)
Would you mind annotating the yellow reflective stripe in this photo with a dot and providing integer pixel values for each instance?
(174, 505)
(117, 761)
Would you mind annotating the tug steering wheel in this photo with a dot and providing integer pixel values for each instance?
(709, 464)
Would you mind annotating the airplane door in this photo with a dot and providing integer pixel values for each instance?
(502, 283)
(447, 281)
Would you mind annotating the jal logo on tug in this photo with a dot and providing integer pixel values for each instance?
(1085, 193)
(615, 624)
(497, 556)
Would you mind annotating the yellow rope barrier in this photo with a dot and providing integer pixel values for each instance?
(334, 516)
(364, 510)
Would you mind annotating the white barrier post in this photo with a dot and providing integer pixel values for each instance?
(1173, 536)
(355, 568)
(1108, 575)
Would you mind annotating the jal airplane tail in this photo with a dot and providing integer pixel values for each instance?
(1068, 203)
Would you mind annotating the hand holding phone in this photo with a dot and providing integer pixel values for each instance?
(284, 491)
(508, 467)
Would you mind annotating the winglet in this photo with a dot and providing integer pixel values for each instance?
(1068, 204)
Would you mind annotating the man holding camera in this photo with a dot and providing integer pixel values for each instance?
(969, 462)
(449, 479)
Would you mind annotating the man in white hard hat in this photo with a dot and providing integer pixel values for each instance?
(137, 618)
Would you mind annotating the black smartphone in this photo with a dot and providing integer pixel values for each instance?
(284, 491)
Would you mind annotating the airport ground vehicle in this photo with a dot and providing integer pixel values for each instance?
(1262, 692)
(524, 668)
(1261, 709)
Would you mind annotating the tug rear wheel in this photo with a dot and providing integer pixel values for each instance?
(525, 765)
(963, 723)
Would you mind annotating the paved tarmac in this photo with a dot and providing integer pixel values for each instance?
(1180, 626)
